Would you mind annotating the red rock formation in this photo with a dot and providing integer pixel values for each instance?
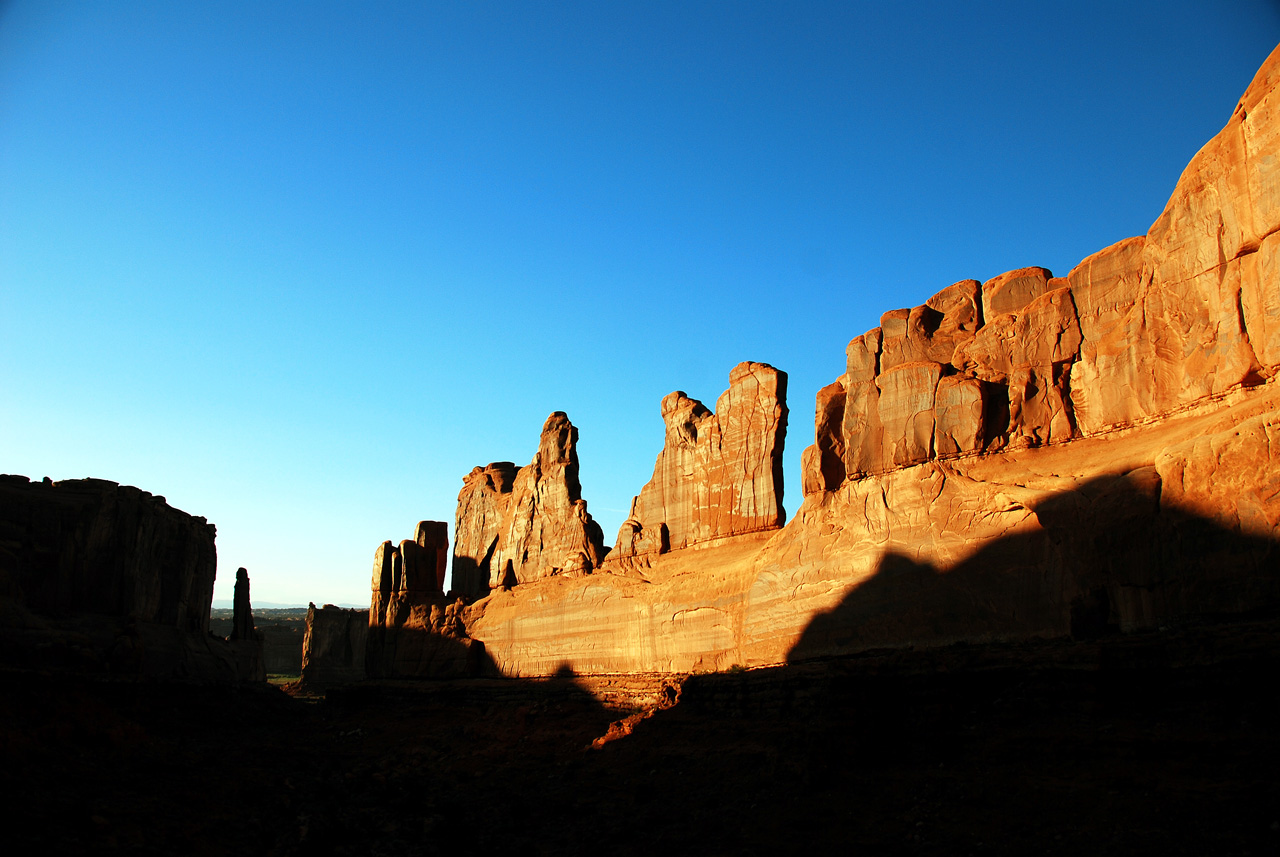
(98, 575)
(412, 572)
(1134, 332)
(719, 474)
(483, 509)
(1032, 457)
(823, 463)
(549, 530)
(334, 647)
(515, 525)
(414, 629)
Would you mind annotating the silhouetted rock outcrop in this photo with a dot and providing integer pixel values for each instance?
(100, 576)
(242, 608)
(334, 648)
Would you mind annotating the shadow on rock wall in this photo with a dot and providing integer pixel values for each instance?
(1106, 558)
(413, 651)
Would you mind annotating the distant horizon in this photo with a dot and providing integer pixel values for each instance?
(298, 268)
(227, 604)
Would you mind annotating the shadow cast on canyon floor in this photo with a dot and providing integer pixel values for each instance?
(1106, 558)
(412, 651)
(1108, 744)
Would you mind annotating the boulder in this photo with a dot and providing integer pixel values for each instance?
(1013, 290)
(932, 332)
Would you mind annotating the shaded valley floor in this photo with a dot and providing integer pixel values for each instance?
(1150, 744)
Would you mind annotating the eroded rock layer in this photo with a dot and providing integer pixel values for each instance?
(719, 474)
(1176, 522)
(1029, 456)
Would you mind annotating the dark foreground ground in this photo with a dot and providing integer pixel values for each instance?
(1160, 744)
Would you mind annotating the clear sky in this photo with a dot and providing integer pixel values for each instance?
(299, 267)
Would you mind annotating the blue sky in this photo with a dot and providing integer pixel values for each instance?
(299, 267)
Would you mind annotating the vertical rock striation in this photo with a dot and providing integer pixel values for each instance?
(515, 525)
(414, 629)
(719, 474)
(483, 509)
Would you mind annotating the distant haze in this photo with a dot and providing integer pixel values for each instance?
(223, 604)
(299, 266)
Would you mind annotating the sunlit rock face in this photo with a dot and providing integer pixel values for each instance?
(516, 525)
(1033, 456)
(1134, 332)
(549, 530)
(483, 511)
(719, 474)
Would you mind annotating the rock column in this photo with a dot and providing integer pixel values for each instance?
(242, 612)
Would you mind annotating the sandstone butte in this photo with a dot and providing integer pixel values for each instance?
(1030, 456)
(97, 577)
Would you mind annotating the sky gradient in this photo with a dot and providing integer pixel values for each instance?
(299, 267)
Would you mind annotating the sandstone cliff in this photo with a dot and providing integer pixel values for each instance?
(1134, 332)
(334, 647)
(519, 525)
(89, 545)
(483, 511)
(1028, 456)
(719, 474)
(100, 576)
(413, 628)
